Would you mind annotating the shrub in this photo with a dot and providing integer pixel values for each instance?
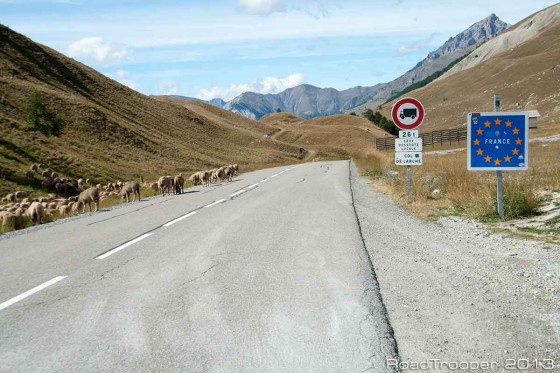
(520, 200)
(41, 119)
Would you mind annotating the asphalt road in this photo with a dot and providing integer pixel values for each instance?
(264, 274)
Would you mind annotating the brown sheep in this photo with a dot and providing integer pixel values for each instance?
(205, 177)
(89, 196)
(128, 188)
(164, 184)
(36, 213)
(35, 167)
(154, 187)
(179, 182)
(221, 174)
(20, 194)
(48, 183)
(229, 171)
(30, 174)
(195, 179)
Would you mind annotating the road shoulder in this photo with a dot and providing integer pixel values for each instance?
(457, 293)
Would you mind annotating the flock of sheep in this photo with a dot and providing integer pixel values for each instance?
(67, 196)
(216, 175)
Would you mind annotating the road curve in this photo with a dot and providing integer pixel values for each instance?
(265, 274)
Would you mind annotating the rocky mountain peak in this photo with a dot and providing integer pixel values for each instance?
(479, 32)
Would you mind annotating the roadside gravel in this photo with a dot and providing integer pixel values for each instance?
(455, 292)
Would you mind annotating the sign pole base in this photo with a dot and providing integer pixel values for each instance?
(500, 193)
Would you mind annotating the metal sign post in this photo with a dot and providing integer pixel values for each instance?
(408, 180)
(498, 141)
(499, 176)
(408, 114)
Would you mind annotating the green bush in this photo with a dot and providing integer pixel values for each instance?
(39, 118)
(381, 121)
(520, 200)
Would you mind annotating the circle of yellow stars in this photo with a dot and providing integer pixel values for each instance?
(507, 158)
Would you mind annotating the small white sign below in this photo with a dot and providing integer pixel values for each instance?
(408, 134)
(408, 158)
(408, 145)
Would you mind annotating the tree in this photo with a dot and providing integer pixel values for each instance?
(381, 121)
(39, 118)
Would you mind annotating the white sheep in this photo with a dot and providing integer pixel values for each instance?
(36, 212)
(128, 188)
(89, 196)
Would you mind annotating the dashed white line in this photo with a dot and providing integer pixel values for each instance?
(252, 186)
(123, 246)
(16, 299)
(263, 180)
(179, 219)
(237, 193)
(274, 176)
(215, 203)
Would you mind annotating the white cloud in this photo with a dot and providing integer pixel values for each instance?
(169, 87)
(96, 49)
(263, 7)
(417, 45)
(269, 84)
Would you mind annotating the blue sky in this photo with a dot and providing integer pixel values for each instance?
(220, 48)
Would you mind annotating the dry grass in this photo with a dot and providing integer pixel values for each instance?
(465, 192)
(113, 132)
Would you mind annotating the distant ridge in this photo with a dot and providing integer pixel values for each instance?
(308, 101)
(305, 100)
(521, 64)
(452, 50)
(218, 102)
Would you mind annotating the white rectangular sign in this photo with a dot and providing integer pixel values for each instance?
(408, 134)
(408, 158)
(413, 144)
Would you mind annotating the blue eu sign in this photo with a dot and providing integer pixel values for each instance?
(497, 141)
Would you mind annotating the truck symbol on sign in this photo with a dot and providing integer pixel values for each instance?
(408, 113)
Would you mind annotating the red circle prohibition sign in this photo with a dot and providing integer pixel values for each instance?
(396, 116)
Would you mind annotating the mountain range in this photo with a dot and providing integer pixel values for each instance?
(308, 101)
(521, 64)
(305, 100)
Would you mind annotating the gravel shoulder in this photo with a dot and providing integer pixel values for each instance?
(455, 292)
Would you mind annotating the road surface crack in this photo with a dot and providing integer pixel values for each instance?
(202, 274)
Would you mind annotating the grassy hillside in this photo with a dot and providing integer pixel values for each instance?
(112, 132)
(338, 135)
(526, 77)
(281, 118)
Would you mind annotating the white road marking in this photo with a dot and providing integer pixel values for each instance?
(238, 193)
(252, 186)
(274, 176)
(215, 203)
(179, 219)
(9, 302)
(123, 246)
(263, 180)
